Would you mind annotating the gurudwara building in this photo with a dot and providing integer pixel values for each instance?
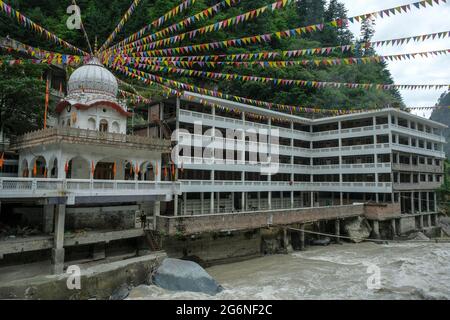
(86, 185)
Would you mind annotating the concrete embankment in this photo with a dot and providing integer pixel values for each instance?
(97, 282)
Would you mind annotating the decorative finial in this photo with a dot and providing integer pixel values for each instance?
(96, 46)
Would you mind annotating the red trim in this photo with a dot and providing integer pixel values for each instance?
(63, 104)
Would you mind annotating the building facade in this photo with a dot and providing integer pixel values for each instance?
(386, 156)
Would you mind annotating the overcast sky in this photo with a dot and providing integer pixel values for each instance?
(434, 70)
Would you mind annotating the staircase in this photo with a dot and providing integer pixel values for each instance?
(153, 240)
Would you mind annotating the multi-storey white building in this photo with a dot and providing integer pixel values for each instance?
(379, 156)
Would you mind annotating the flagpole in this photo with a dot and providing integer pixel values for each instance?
(47, 93)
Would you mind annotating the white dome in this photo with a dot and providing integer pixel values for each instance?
(93, 77)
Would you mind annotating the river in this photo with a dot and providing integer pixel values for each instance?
(407, 271)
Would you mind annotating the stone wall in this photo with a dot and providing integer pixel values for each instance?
(104, 218)
(209, 249)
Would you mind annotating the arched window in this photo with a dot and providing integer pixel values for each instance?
(115, 127)
(103, 126)
(92, 124)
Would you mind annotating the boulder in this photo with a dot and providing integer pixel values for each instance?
(444, 223)
(321, 242)
(181, 275)
(358, 229)
(418, 236)
(121, 293)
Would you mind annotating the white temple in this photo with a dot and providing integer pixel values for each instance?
(90, 140)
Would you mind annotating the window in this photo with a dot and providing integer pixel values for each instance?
(92, 124)
(115, 127)
(103, 126)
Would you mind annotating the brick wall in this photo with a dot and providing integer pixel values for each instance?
(253, 220)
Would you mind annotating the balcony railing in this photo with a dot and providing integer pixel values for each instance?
(422, 134)
(89, 135)
(42, 188)
(417, 186)
(418, 168)
(265, 186)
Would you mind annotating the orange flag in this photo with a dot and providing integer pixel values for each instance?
(35, 169)
(156, 169)
(173, 170)
(47, 98)
(92, 168)
(165, 172)
(2, 161)
(114, 169)
(66, 167)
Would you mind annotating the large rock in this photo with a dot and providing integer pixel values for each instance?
(358, 229)
(180, 275)
(418, 236)
(444, 223)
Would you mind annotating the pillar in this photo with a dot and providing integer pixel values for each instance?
(412, 203)
(232, 202)
(430, 223)
(287, 243)
(175, 206)
(421, 222)
(269, 199)
(243, 202)
(292, 200)
(211, 206)
(312, 199)
(420, 202)
(337, 230)
(98, 251)
(435, 202)
(259, 201)
(302, 237)
(393, 228)
(341, 197)
(185, 204)
(48, 218)
(202, 203)
(428, 201)
(58, 246)
(376, 229)
(218, 202)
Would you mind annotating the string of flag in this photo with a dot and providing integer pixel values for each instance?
(134, 97)
(292, 53)
(180, 26)
(157, 23)
(234, 21)
(287, 82)
(39, 54)
(145, 77)
(284, 64)
(29, 24)
(264, 38)
(121, 24)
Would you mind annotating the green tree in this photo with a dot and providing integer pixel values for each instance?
(22, 95)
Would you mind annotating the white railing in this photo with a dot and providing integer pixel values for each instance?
(417, 133)
(30, 187)
(88, 135)
(264, 186)
(423, 151)
(248, 166)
